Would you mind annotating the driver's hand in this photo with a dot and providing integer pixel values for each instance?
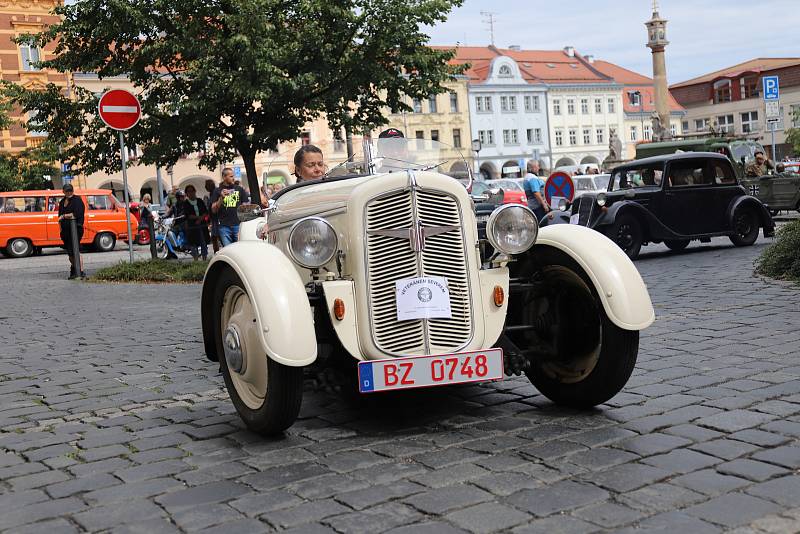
(263, 232)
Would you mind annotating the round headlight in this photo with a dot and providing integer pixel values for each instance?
(512, 229)
(601, 199)
(312, 242)
(563, 204)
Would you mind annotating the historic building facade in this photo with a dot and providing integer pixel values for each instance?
(17, 61)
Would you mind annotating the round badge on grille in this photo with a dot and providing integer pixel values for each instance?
(424, 294)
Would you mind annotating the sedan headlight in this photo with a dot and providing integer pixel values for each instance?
(313, 242)
(601, 199)
(512, 229)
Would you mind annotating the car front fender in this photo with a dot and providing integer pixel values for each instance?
(554, 217)
(282, 310)
(614, 276)
(763, 214)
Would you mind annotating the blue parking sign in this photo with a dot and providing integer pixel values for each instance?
(771, 88)
(237, 173)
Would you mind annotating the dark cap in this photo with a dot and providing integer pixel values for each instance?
(180, 193)
(759, 151)
(390, 133)
(67, 187)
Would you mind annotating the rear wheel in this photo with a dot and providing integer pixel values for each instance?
(19, 247)
(628, 235)
(105, 242)
(162, 252)
(583, 370)
(266, 394)
(745, 227)
(676, 244)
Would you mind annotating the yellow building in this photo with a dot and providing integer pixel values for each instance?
(16, 61)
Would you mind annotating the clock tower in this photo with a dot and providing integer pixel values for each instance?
(657, 43)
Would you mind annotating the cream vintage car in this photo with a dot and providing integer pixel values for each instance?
(384, 268)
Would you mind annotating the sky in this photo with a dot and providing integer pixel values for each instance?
(704, 35)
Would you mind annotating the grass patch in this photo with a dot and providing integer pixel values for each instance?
(781, 259)
(162, 271)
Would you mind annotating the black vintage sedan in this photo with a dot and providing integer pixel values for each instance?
(673, 198)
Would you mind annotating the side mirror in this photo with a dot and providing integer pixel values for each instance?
(249, 212)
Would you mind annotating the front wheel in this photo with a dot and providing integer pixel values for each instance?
(105, 242)
(628, 235)
(745, 227)
(162, 252)
(19, 247)
(266, 394)
(578, 371)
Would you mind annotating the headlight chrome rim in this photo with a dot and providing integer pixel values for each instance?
(602, 199)
(501, 211)
(300, 261)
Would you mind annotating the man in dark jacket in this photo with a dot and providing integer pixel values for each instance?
(224, 202)
(71, 208)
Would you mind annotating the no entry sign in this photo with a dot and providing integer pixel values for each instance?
(119, 109)
(559, 184)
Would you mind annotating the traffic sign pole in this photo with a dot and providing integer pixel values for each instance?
(127, 198)
(772, 98)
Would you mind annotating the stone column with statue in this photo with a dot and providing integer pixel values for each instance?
(657, 42)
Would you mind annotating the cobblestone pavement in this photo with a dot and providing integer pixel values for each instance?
(111, 418)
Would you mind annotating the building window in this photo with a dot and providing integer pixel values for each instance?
(611, 106)
(532, 103)
(503, 103)
(556, 107)
(585, 106)
(453, 102)
(432, 104)
(685, 126)
(417, 105)
(559, 138)
(573, 136)
(598, 105)
(456, 137)
(537, 135)
(634, 133)
(505, 72)
(434, 135)
(722, 91)
(486, 137)
(512, 103)
(648, 132)
(41, 131)
(30, 54)
(794, 114)
(570, 106)
(673, 130)
(750, 121)
(700, 124)
(419, 134)
(749, 87)
(600, 133)
(510, 137)
(635, 98)
(529, 135)
(338, 144)
(305, 138)
(726, 123)
(587, 136)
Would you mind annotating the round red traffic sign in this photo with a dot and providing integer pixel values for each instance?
(559, 184)
(119, 109)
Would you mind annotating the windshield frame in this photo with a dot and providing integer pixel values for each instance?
(613, 183)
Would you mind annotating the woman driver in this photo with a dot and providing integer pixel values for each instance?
(308, 163)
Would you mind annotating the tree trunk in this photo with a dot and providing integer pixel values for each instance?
(249, 159)
(348, 135)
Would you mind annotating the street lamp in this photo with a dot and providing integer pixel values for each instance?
(476, 147)
(641, 109)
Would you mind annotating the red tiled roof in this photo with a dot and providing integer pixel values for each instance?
(648, 99)
(754, 65)
(620, 74)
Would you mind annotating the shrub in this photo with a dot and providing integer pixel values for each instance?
(165, 271)
(782, 258)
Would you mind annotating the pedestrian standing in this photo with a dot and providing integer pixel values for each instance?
(210, 187)
(196, 224)
(224, 202)
(534, 186)
(71, 208)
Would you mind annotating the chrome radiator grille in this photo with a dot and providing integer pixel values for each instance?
(583, 207)
(391, 258)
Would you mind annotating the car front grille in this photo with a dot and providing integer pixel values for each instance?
(583, 208)
(391, 258)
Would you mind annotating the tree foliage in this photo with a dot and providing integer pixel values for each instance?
(228, 77)
(793, 134)
(29, 169)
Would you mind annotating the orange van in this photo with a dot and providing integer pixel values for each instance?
(29, 221)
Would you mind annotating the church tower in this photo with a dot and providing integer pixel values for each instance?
(657, 42)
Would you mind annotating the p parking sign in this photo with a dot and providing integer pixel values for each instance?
(771, 88)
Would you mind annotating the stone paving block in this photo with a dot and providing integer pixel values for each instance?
(661, 497)
(733, 421)
(52, 526)
(132, 491)
(601, 458)
(487, 517)
(102, 466)
(255, 504)
(12, 501)
(343, 462)
(627, 477)
(552, 449)
(152, 470)
(784, 491)
(787, 456)
(391, 472)
(155, 525)
(428, 527)
(681, 461)
(727, 449)
(559, 497)
(672, 522)
(608, 514)
(37, 480)
(441, 500)
(450, 456)
(750, 469)
(655, 443)
(277, 477)
(450, 475)
(374, 495)
(305, 513)
(558, 524)
(599, 437)
(210, 493)
(503, 484)
(378, 519)
(733, 509)
(241, 526)
(327, 486)
(204, 516)
(693, 432)
(78, 485)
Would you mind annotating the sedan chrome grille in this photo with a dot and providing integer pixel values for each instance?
(391, 257)
(583, 207)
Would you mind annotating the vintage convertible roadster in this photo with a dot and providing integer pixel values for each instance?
(384, 265)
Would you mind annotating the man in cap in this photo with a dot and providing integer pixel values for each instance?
(760, 166)
(392, 150)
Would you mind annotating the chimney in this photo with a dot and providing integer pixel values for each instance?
(515, 48)
(569, 51)
(589, 58)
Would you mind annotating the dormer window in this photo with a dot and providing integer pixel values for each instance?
(505, 72)
(722, 91)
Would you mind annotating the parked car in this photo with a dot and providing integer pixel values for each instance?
(513, 191)
(675, 199)
(590, 183)
(383, 270)
(29, 221)
(778, 191)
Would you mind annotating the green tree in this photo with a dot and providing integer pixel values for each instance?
(793, 134)
(228, 77)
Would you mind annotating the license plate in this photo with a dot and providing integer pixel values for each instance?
(573, 219)
(425, 371)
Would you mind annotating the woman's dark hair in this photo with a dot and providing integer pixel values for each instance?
(67, 187)
(210, 185)
(301, 154)
(190, 186)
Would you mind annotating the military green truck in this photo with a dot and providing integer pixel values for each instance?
(740, 150)
(779, 191)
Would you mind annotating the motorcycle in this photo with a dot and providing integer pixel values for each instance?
(170, 238)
